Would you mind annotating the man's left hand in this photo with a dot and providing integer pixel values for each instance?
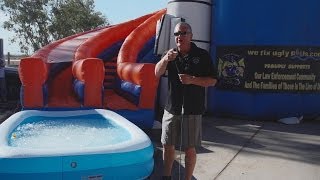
(186, 79)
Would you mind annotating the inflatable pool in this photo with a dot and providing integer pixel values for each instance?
(82, 144)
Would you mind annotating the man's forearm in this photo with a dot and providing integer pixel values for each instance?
(161, 67)
(203, 81)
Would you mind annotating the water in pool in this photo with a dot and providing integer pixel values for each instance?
(67, 132)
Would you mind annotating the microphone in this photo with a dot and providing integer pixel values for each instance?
(179, 57)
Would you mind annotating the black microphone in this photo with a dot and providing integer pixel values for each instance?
(179, 58)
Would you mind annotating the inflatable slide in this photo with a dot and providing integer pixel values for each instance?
(110, 67)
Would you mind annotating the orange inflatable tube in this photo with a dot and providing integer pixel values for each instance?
(139, 73)
(33, 75)
(91, 72)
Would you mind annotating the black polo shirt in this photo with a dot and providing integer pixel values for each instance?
(191, 97)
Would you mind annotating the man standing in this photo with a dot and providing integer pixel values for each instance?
(190, 70)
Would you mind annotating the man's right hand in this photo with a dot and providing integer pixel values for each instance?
(171, 55)
(162, 64)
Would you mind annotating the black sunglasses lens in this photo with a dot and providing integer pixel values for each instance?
(179, 33)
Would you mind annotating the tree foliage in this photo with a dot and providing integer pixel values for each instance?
(36, 23)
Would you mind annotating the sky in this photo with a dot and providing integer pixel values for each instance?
(117, 11)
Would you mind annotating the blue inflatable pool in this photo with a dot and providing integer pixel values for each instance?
(83, 144)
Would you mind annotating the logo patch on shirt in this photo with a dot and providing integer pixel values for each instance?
(195, 60)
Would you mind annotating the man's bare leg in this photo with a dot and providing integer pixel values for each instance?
(190, 162)
(168, 159)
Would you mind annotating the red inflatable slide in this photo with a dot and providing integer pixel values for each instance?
(48, 77)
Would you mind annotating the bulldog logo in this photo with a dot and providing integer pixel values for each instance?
(231, 69)
(196, 60)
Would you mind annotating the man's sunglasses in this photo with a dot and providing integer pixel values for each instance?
(180, 33)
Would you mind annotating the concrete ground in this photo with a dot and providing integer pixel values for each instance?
(251, 150)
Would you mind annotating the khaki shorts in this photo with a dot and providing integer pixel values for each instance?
(191, 130)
